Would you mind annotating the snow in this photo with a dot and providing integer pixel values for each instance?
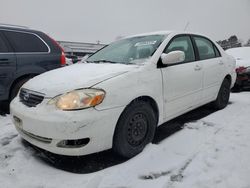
(210, 152)
(83, 75)
(241, 54)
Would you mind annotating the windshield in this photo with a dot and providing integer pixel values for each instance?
(129, 50)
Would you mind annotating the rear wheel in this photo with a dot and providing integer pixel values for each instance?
(223, 95)
(135, 129)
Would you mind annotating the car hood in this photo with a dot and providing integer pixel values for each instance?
(77, 76)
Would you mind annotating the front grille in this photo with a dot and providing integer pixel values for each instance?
(30, 98)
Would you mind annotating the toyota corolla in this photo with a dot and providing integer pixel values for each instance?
(118, 97)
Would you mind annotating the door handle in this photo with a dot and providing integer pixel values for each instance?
(4, 62)
(197, 67)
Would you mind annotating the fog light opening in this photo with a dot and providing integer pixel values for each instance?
(73, 143)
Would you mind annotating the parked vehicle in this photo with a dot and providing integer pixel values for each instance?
(73, 58)
(69, 61)
(25, 53)
(122, 93)
(242, 56)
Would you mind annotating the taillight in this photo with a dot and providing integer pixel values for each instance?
(63, 57)
(241, 70)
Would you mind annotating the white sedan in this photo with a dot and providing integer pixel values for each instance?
(118, 97)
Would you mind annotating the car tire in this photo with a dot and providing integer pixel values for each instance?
(135, 129)
(16, 87)
(223, 95)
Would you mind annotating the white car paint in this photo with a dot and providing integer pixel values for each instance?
(175, 89)
(75, 76)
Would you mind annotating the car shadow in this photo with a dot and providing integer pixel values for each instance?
(99, 161)
(80, 164)
(169, 128)
(244, 89)
(247, 89)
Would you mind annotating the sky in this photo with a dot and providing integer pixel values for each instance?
(105, 20)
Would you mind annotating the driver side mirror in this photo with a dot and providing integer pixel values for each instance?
(173, 57)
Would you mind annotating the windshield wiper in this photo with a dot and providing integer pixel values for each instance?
(105, 61)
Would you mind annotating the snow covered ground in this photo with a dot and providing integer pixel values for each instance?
(212, 152)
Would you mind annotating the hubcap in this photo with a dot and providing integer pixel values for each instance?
(137, 129)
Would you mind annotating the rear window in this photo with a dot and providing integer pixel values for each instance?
(205, 48)
(26, 42)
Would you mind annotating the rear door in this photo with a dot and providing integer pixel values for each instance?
(211, 60)
(182, 82)
(7, 67)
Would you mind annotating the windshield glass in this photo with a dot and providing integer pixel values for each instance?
(129, 50)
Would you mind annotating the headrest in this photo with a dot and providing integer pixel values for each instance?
(203, 50)
(177, 48)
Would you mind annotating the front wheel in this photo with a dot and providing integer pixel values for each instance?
(223, 95)
(135, 129)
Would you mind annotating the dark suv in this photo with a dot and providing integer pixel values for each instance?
(25, 53)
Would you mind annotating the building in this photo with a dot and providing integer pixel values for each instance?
(79, 49)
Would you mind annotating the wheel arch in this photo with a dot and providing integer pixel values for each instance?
(147, 99)
(18, 79)
(152, 103)
(228, 77)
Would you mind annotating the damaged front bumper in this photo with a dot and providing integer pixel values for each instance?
(70, 133)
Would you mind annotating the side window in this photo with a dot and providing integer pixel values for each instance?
(217, 52)
(3, 47)
(182, 43)
(205, 48)
(25, 42)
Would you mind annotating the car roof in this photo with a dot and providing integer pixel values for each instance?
(167, 32)
(17, 28)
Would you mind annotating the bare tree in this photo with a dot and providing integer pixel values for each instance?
(248, 43)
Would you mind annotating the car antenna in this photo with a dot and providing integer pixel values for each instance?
(186, 26)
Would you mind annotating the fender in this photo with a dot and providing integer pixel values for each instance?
(22, 73)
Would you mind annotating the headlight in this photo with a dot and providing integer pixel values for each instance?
(78, 99)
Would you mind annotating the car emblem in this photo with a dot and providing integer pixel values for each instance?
(26, 96)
